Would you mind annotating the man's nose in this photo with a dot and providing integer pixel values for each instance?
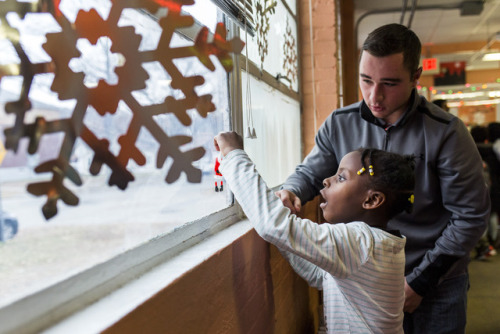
(378, 93)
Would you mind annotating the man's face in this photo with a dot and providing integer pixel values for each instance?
(386, 85)
(345, 191)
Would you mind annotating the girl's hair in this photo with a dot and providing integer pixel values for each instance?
(394, 175)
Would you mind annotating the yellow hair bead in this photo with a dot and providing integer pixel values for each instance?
(370, 168)
(411, 199)
(361, 171)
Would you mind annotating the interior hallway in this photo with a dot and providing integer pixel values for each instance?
(483, 310)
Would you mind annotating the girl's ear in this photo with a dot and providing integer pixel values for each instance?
(373, 200)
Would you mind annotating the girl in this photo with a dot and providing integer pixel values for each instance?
(357, 263)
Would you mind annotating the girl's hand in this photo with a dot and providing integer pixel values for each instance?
(225, 142)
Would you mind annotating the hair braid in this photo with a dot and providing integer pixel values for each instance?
(392, 174)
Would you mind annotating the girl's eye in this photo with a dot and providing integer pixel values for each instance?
(340, 178)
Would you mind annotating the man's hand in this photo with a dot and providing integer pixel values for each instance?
(225, 142)
(289, 200)
(412, 299)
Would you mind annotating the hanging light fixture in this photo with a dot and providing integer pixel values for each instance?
(491, 57)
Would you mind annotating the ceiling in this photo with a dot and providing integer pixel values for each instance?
(439, 22)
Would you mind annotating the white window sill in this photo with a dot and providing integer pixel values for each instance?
(110, 309)
(94, 300)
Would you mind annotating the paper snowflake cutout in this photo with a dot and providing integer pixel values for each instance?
(104, 98)
(290, 51)
(263, 12)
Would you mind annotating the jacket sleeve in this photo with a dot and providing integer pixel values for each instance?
(465, 196)
(336, 249)
(320, 163)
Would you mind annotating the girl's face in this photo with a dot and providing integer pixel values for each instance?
(345, 192)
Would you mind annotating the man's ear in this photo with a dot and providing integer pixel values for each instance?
(373, 200)
(417, 75)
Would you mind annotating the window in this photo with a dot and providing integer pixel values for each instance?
(108, 222)
(270, 93)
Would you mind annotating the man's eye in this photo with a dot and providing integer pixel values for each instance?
(388, 84)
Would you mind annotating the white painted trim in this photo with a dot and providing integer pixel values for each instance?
(110, 309)
(81, 294)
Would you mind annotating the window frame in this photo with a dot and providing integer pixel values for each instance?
(49, 306)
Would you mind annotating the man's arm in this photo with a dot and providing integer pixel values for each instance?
(465, 196)
(307, 180)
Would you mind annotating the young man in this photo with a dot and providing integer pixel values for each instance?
(451, 200)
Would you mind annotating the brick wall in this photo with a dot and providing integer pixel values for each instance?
(323, 70)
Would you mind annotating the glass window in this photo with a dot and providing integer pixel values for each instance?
(87, 242)
(107, 220)
(292, 6)
(270, 87)
(276, 119)
(274, 48)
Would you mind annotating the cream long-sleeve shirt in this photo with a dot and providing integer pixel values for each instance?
(359, 268)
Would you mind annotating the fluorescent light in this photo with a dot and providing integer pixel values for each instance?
(461, 95)
(491, 57)
(472, 103)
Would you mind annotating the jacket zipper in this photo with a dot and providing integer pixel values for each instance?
(387, 136)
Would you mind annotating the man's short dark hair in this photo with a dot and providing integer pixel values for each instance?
(395, 38)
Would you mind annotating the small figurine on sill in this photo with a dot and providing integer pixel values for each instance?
(218, 176)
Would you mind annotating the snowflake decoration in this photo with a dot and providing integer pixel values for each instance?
(104, 98)
(290, 51)
(263, 12)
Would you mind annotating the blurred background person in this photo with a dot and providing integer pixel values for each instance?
(485, 246)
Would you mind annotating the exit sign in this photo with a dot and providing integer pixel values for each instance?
(430, 65)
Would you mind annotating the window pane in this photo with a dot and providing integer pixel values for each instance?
(276, 119)
(274, 47)
(107, 220)
(292, 5)
(205, 12)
